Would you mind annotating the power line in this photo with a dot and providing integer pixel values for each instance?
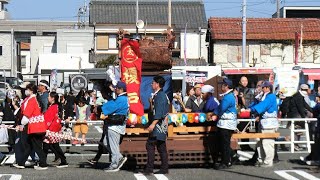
(233, 7)
(259, 12)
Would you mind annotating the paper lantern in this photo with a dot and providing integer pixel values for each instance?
(196, 118)
(179, 119)
(139, 121)
(132, 119)
(202, 117)
(184, 118)
(169, 119)
(190, 118)
(144, 119)
(174, 118)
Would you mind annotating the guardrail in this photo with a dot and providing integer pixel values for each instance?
(251, 121)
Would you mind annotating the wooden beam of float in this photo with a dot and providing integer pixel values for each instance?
(255, 135)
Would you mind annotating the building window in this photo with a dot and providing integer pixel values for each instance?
(74, 48)
(0, 50)
(102, 41)
(112, 41)
(23, 61)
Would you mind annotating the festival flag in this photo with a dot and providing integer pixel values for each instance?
(131, 64)
(185, 45)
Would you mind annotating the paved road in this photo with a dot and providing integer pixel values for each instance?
(288, 168)
(79, 169)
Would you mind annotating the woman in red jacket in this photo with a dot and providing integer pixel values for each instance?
(33, 130)
(53, 122)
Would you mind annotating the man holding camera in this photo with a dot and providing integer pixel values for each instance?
(245, 97)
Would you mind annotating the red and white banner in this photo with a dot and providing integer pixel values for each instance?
(131, 64)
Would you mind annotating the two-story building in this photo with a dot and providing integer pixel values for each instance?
(107, 16)
(270, 42)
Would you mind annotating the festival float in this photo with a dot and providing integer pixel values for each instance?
(189, 139)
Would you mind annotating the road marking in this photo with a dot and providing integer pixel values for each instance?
(161, 177)
(244, 155)
(140, 177)
(99, 129)
(11, 159)
(12, 176)
(285, 175)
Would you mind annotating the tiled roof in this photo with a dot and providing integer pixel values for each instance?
(33, 26)
(264, 28)
(25, 46)
(151, 11)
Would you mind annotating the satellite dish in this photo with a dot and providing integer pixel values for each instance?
(140, 24)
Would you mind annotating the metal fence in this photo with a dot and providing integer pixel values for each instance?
(251, 125)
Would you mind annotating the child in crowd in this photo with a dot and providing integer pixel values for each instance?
(82, 116)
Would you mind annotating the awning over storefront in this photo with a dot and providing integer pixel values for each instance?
(230, 71)
(313, 74)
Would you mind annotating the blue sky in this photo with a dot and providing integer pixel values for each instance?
(67, 9)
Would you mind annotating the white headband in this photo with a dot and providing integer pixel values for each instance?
(43, 84)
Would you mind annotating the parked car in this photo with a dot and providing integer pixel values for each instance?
(2, 96)
(6, 86)
(13, 81)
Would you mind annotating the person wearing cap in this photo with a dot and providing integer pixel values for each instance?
(298, 104)
(227, 123)
(195, 102)
(211, 103)
(267, 111)
(115, 113)
(43, 89)
(298, 108)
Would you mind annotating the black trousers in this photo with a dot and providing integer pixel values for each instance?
(224, 136)
(162, 149)
(56, 149)
(101, 148)
(34, 142)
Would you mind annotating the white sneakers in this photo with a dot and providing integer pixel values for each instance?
(18, 166)
(40, 168)
(113, 169)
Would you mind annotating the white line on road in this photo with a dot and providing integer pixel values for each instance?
(99, 129)
(161, 177)
(140, 177)
(12, 176)
(284, 174)
(244, 155)
(16, 177)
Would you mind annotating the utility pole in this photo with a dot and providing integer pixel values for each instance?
(169, 13)
(244, 32)
(137, 16)
(296, 48)
(278, 8)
